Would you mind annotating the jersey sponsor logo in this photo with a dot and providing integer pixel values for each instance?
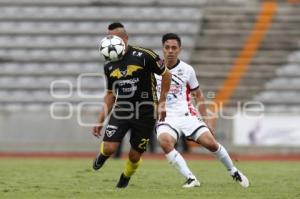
(129, 72)
(127, 86)
(131, 81)
(130, 89)
(136, 53)
(170, 98)
(174, 92)
(175, 89)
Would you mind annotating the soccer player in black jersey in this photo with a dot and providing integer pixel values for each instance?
(132, 103)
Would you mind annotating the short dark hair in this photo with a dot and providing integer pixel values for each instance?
(115, 25)
(168, 36)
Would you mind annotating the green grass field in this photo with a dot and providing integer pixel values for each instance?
(74, 178)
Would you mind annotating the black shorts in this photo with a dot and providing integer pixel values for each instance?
(141, 130)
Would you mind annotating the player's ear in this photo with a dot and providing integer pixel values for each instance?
(179, 48)
(125, 39)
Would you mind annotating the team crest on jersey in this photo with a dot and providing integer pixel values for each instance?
(117, 73)
(180, 72)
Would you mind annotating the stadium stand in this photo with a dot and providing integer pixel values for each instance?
(43, 42)
(59, 38)
(225, 29)
(281, 93)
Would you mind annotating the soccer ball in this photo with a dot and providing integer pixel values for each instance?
(112, 48)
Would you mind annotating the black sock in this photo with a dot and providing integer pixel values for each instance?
(101, 159)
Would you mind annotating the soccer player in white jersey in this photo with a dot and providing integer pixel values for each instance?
(182, 119)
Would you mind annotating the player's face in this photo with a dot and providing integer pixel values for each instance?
(171, 50)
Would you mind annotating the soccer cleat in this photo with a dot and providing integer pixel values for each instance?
(191, 182)
(123, 181)
(241, 179)
(97, 164)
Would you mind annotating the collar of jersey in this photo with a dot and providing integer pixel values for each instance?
(177, 63)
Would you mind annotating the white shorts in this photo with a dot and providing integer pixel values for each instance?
(189, 126)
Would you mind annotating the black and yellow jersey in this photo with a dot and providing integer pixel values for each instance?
(132, 78)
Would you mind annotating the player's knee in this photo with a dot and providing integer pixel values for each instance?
(208, 141)
(134, 157)
(167, 143)
(109, 148)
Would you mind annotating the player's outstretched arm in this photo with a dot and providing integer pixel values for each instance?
(165, 86)
(108, 103)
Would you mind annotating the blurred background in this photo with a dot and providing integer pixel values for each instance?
(246, 54)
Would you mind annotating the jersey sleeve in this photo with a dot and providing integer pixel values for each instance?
(154, 63)
(109, 82)
(192, 80)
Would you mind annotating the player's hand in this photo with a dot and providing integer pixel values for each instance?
(162, 113)
(97, 130)
(162, 116)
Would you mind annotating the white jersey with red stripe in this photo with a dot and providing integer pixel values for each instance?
(184, 80)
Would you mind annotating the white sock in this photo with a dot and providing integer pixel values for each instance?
(176, 160)
(223, 156)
